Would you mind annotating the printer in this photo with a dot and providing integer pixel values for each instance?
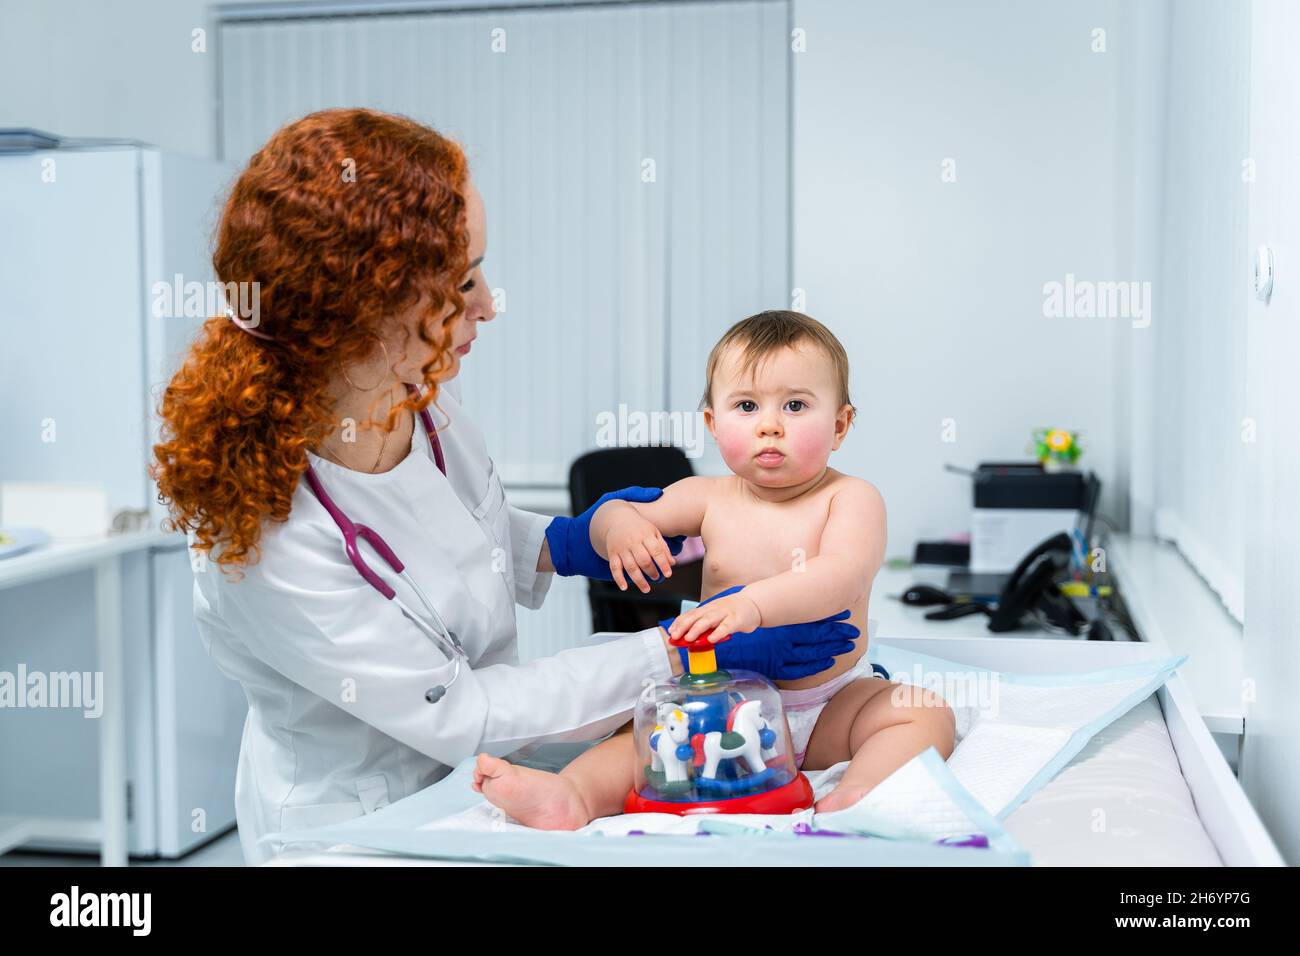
(1019, 505)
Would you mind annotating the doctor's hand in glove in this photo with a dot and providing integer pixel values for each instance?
(569, 542)
(786, 652)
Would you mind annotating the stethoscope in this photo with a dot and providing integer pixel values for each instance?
(444, 637)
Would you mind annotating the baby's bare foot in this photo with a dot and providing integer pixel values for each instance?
(546, 801)
(842, 797)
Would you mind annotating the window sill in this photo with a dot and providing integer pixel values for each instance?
(1172, 606)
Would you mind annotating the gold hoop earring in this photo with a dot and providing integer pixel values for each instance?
(387, 372)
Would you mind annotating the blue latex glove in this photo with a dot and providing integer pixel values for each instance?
(569, 539)
(786, 652)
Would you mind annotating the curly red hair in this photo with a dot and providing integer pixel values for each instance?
(344, 219)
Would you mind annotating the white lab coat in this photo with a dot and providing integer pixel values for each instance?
(334, 675)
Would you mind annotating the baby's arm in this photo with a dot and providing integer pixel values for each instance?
(852, 551)
(631, 535)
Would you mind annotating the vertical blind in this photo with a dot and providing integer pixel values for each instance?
(634, 161)
(615, 286)
(1203, 428)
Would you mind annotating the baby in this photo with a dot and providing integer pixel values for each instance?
(805, 541)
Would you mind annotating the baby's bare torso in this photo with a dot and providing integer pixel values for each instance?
(747, 539)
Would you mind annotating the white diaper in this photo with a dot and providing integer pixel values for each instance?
(803, 707)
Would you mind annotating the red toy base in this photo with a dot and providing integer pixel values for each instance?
(794, 796)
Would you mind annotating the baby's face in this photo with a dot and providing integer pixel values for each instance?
(777, 428)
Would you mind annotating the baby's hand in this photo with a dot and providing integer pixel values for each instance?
(735, 613)
(634, 545)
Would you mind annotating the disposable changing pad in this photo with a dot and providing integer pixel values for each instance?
(1014, 733)
(945, 827)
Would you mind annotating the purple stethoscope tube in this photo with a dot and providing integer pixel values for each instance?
(443, 637)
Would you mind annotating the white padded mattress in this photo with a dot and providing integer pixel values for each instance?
(1122, 801)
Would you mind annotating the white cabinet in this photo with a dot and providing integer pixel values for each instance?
(85, 236)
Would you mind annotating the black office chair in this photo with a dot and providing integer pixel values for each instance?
(598, 472)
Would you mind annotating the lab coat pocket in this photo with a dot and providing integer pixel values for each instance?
(492, 514)
(494, 498)
(372, 795)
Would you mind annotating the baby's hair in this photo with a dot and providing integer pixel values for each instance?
(769, 332)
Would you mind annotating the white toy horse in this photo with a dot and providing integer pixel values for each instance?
(746, 730)
(669, 750)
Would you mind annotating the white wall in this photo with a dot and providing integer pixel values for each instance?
(115, 68)
(1270, 763)
(1196, 388)
(1012, 93)
(109, 68)
(936, 288)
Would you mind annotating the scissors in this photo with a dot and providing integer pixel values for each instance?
(353, 533)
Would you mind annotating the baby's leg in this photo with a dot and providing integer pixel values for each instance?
(878, 726)
(593, 785)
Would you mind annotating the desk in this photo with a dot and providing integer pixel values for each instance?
(1170, 605)
(901, 620)
(103, 555)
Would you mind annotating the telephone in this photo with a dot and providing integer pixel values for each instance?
(1032, 587)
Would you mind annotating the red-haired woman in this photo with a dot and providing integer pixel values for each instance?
(306, 424)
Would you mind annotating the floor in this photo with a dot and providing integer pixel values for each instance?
(221, 851)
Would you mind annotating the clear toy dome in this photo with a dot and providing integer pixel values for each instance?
(714, 742)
